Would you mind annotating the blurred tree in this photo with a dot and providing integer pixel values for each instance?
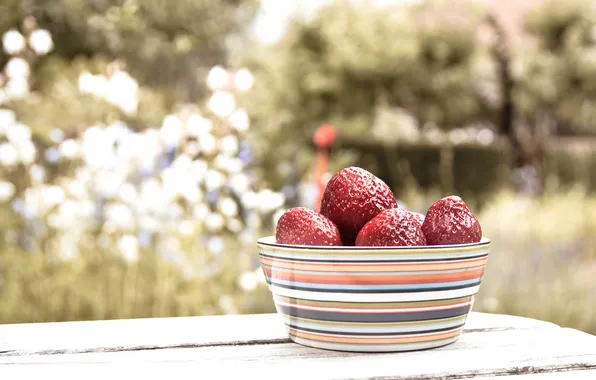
(549, 78)
(166, 43)
(353, 59)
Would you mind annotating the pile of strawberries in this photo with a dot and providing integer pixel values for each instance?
(359, 209)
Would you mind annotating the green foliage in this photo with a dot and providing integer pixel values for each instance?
(163, 41)
(99, 284)
(542, 258)
(556, 73)
(350, 60)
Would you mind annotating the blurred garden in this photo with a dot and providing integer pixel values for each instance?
(146, 145)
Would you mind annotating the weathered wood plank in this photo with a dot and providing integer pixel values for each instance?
(137, 334)
(478, 353)
(254, 346)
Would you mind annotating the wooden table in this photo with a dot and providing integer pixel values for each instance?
(256, 346)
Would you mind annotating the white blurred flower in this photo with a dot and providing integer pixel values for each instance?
(244, 80)
(234, 225)
(141, 147)
(127, 193)
(172, 130)
(214, 222)
(248, 281)
(96, 85)
(41, 41)
(228, 207)
(68, 246)
(221, 162)
(229, 145)
(269, 201)
(200, 211)
(8, 154)
(149, 223)
(197, 125)
(173, 180)
(186, 227)
(222, 103)
(234, 165)
(18, 133)
(192, 148)
(118, 130)
(26, 151)
(129, 248)
(17, 67)
(123, 92)
(37, 173)
(13, 42)
(215, 245)
(43, 198)
(197, 170)
(53, 195)
(239, 120)
(69, 149)
(76, 189)
(457, 136)
(214, 180)
(7, 190)
(108, 183)
(217, 78)
(207, 144)
(152, 196)
(250, 200)
(3, 98)
(485, 136)
(7, 118)
(119, 215)
(17, 88)
(97, 148)
(239, 183)
(182, 162)
(191, 192)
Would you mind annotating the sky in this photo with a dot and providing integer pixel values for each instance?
(274, 15)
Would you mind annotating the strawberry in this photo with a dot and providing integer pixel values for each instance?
(393, 227)
(352, 197)
(303, 226)
(418, 217)
(449, 221)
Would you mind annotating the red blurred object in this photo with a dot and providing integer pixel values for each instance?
(323, 138)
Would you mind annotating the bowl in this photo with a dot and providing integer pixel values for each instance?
(373, 299)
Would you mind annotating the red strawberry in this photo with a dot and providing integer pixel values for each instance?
(418, 217)
(449, 221)
(394, 227)
(304, 226)
(352, 197)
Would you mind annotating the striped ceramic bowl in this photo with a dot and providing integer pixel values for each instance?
(379, 299)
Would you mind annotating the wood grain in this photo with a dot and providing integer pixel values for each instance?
(254, 346)
(139, 334)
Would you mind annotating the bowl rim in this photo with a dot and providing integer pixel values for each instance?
(269, 241)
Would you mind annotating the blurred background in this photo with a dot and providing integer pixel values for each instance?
(146, 144)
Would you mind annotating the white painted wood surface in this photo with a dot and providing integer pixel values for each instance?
(256, 346)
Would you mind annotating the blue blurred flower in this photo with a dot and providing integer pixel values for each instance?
(245, 153)
(144, 239)
(212, 197)
(52, 155)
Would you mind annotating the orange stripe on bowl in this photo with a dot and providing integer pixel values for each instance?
(374, 267)
(371, 280)
(375, 340)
